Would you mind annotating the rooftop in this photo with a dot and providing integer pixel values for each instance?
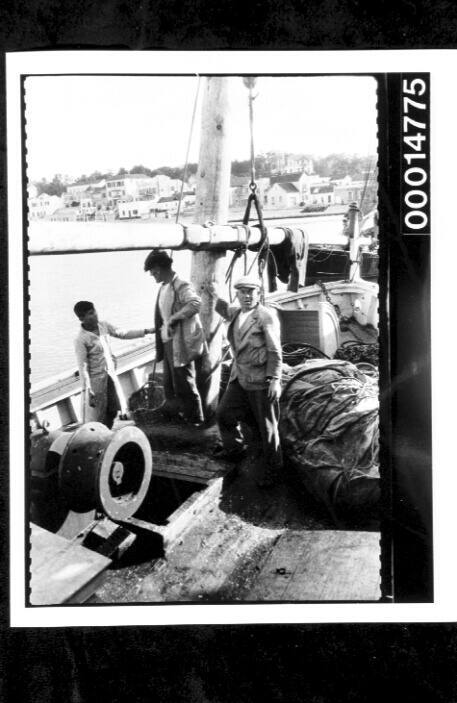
(322, 189)
(287, 177)
(168, 198)
(126, 176)
(288, 187)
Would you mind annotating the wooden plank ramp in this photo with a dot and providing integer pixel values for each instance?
(186, 466)
(235, 542)
(62, 572)
(327, 565)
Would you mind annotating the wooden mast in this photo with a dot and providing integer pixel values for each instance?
(212, 201)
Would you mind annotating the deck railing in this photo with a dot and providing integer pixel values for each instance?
(57, 400)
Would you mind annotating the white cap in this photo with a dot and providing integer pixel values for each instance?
(249, 281)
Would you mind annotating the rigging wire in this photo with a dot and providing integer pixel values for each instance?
(365, 186)
(249, 82)
(263, 252)
(189, 141)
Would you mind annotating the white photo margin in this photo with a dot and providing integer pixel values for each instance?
(442, 65)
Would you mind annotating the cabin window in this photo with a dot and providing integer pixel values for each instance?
(326, 266)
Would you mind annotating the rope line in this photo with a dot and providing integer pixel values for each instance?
(263, 252)
(189, 141)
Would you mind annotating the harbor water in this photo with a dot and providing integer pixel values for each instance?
(115, 282)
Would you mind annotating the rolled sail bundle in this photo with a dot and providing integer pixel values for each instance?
(330, 434)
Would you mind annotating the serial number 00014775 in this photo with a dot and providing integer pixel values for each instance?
(416, 155)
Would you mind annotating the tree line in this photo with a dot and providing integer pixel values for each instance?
(332, 166)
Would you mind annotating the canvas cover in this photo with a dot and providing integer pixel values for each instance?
(329, 430)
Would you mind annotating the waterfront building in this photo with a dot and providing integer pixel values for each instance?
(129, 186)
(321, 194)
(65, 214)
(43, 205)
(283, 195)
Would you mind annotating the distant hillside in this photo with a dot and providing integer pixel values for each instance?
(333, 166)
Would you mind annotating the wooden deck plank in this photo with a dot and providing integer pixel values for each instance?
(204, 564)
(211, 557)
(233, 542)
(172, 435)
(62, 572)
(186, 466)
(321, 566)
(222, 557)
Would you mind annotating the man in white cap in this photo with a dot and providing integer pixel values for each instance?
(252, 394)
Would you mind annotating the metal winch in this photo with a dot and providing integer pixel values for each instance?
(84, 468)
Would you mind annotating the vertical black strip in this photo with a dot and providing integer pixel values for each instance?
(385, 419)
(408, 402)
(26, 351)
(4, 370)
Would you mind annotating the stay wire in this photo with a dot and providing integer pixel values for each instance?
(189, 141)
(252, 198)
(262, 256)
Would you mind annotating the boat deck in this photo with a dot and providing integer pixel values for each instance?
(61, 571)
(229, 541)
(234, 542)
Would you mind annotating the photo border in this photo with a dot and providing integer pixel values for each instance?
(232, 72)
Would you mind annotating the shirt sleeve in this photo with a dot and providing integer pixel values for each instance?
(272, 332)
(226, 310)
(81, 358)
(114, 331)
(189, 301)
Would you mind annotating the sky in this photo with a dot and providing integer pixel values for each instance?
(76, 125)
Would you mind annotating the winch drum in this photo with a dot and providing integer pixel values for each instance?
(106, 470)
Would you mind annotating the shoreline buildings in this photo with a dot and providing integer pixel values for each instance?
(291, 184)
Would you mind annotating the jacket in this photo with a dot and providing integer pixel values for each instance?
(188, 336)
(258, 355)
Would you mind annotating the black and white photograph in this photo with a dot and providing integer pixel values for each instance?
(212, 337)
(222, 426)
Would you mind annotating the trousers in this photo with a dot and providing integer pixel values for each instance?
(106, 401)
(256, 410)
(181, 386)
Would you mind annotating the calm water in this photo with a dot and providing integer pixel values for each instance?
(115, 282)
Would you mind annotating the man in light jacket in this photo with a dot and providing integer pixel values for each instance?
(252, 394)
(180, 341)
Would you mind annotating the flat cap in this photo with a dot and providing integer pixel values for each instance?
(248, 282)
